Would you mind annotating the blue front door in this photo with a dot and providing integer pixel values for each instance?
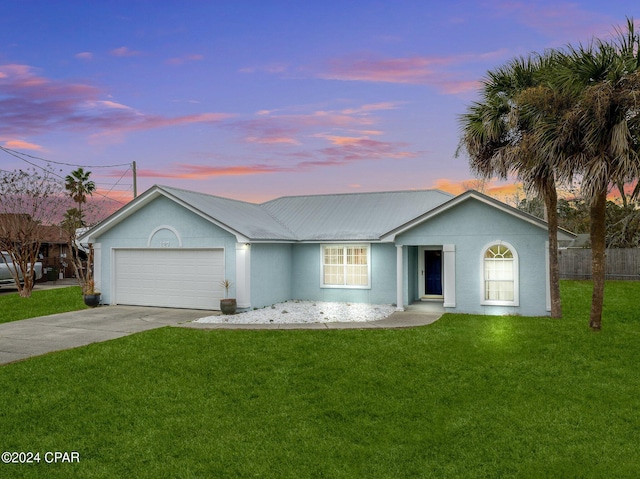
(433, 272)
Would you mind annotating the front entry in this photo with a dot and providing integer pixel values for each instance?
(433, 273)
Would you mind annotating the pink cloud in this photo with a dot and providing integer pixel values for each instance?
(269, 68)
(343, 150)
(370, 132)
(112, 104)
(342, 140)
(187, 171)
(84, 56)
(104, 202)
(346, 149)
(32, 104)
(22, 145)
(415, 70)
(148, 122)
(371, 107)
(501, 190)
(454, 87)
(184, 59)
(267, 128)
(453, 187)
(273, 140)
(565, 19)
(347, 132)
(433, 71)
(124, 52)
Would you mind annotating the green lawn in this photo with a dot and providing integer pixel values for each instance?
(466, 397)
(41, 303)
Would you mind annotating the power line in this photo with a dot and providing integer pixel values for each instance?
(15, 153)
(116, 184)
(19, 155)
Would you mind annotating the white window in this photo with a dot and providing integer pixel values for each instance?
(500, 275)
(345, 266)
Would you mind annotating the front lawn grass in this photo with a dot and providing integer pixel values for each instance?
(41, 303)
(469, 397)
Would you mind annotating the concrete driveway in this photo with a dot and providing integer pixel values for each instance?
(33, 337)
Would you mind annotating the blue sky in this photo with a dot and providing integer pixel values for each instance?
(259, 99)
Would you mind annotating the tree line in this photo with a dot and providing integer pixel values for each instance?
(622, 219)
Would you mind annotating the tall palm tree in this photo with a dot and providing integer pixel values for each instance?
(567, 115)
(598, 139)
(501, 135)
(79, 186)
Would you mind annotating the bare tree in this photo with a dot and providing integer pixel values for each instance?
(28, 201)
(477, 184)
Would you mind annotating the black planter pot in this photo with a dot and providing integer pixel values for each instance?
(228, 306)
(92, 300)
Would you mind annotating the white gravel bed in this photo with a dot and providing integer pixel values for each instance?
(306, 312)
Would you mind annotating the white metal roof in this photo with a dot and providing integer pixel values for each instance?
(335, 217)
(249, 219)
(352, 216)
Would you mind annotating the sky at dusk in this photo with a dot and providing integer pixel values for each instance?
(257, 99)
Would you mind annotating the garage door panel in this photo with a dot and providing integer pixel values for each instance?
(178, 278)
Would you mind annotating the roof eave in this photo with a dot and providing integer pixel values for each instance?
(391, 235)
(151, 194)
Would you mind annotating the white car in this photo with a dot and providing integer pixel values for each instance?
(6, 278)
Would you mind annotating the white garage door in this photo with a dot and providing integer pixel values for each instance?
(172, 278)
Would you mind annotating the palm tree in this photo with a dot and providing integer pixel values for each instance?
(501, 135)
(79, 187)
(563, 116)
(598, 138)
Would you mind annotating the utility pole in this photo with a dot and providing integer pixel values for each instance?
(135, 180)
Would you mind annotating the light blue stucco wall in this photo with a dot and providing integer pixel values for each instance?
(282, 272)
(135, 231)
(305, 278)
(472, 225)
(271, 267)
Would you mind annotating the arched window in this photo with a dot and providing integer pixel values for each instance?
(500, 275)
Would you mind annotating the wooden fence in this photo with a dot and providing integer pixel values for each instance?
(623, 263)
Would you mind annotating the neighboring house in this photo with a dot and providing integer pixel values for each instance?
(470, 253)
(54, 251)
(53, 248)
(582, 240)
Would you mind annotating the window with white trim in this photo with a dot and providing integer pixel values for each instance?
(500, 275)
(345, 266)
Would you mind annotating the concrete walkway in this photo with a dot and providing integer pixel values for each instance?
(33, 337)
